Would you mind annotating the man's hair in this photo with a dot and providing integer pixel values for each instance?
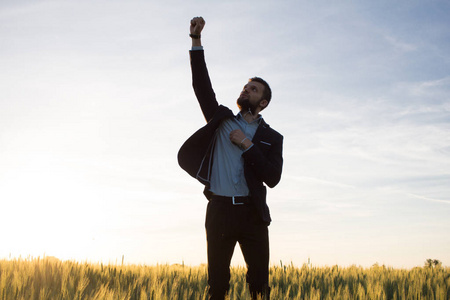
(267, 93)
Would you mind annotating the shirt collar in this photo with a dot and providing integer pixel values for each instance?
(258, 120)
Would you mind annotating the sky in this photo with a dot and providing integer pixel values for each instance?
(96, 99)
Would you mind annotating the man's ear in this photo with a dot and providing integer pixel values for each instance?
(263, 103)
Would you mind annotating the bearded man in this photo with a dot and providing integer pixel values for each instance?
(235, 157)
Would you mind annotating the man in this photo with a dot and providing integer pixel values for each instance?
(233, 156)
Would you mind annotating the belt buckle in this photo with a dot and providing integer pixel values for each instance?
(236, 203)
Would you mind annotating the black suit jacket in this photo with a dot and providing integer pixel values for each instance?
(263, 162)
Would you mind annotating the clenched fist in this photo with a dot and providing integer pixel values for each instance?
(197, 25)
(238, 138)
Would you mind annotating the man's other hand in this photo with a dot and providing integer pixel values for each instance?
(238, 138)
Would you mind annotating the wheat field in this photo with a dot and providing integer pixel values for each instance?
(50, 278)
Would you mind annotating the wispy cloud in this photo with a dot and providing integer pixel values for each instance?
(320, 181)
(399, 45)
(436, 90)
(428, 198)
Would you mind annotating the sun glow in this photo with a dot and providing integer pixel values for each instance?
(46, 208)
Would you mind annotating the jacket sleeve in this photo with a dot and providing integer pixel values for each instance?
(202, 84)
(266, 164)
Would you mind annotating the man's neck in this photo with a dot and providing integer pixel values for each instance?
(249, 117)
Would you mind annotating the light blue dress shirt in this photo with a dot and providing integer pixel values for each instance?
(227, 175)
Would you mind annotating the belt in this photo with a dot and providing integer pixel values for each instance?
(235, 200)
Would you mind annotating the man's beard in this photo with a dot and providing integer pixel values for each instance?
(245, 105)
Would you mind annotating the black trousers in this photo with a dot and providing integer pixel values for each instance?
(226, 224)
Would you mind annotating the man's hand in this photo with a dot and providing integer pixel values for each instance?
(197, 25)
(238, 138)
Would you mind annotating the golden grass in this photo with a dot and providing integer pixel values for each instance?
(49, 278)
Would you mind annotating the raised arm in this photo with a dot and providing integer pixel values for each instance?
(200, 77)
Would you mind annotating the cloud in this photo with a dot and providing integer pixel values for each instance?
(399, 45)
(433, 91)
(429, 199)
(320, 181)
